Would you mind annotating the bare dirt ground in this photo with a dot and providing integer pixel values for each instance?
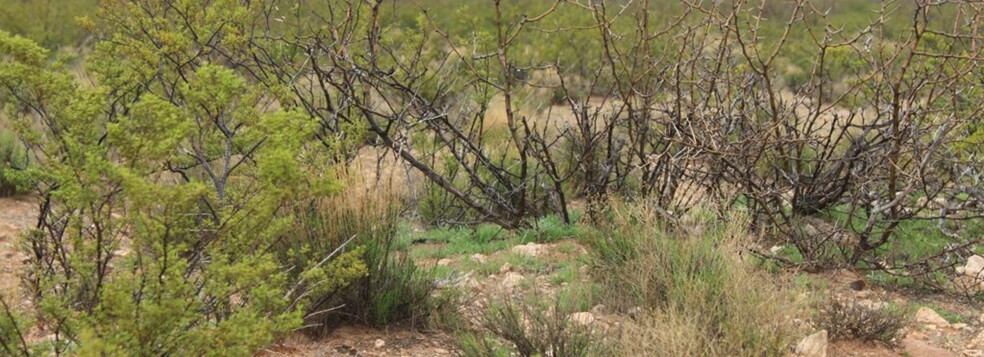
(16, 214)
(364, 341)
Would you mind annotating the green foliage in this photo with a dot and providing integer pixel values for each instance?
(51, 23)
(12, 325)
(164, 200)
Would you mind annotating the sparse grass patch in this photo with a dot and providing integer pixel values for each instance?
(580, 296)
(551, 228)
(697, 296)
(946, 314)
(446, 242)
(567, 272)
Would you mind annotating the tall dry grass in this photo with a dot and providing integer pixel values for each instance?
(689, 287)
(367, 215)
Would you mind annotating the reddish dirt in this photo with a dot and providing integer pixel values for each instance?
(964, 339)
(16, 214)
(364, 341)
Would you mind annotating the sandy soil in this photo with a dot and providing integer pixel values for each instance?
(16, 214)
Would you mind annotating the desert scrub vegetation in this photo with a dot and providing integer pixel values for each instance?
(196, 163)
(516, 326)
(691, 290)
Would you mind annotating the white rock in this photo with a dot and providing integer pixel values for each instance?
(974, 267)
(445, 262)
(441, 351)
(927, 316)
(505, 268)
(775, 249)
(581, 318)
(511, 280)
(814, 345)
(380, 343)
(530, 249)
(478, 258)
(973, 353)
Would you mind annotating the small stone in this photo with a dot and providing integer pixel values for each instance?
(478, 258)
(814, 345)
(380, 343)
(775, 249)
(581, 318)
(927, 316)
(958, 326)
(445, 262)
(973, 353)
(505, 268)
(441, 351)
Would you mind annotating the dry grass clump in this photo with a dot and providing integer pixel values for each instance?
(852, 320)
(366, 215)
(529, 329)
(689, 289)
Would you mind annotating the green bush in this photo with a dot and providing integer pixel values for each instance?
(160, 221)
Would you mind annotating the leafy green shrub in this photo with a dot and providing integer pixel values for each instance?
(12, 325)
(159, 220)
(852, 320)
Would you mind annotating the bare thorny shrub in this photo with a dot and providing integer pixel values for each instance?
(530, 329)
(847, 319)
(684, 106)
